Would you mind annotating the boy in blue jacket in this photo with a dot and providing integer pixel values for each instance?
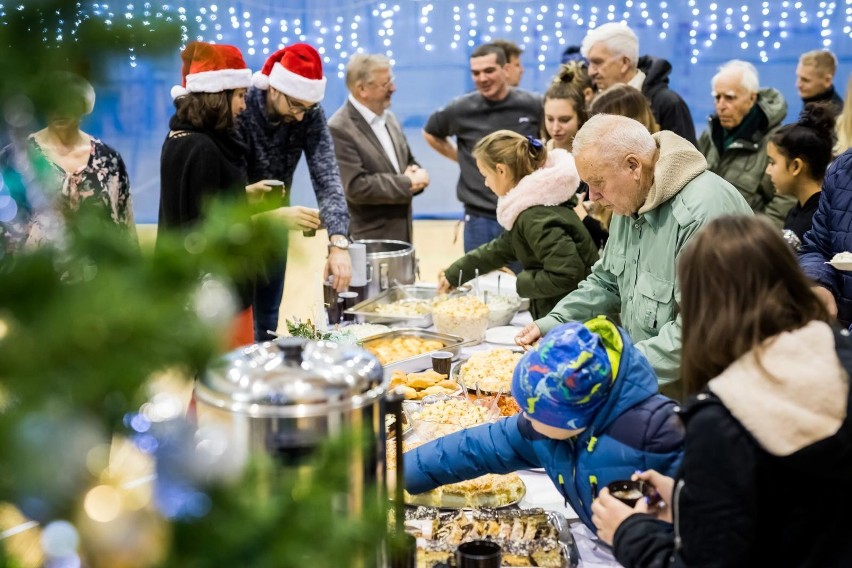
(591, 415)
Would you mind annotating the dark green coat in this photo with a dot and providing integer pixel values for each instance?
(553, 246)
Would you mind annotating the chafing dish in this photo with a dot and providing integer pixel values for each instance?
(452, 343)
(365, 312)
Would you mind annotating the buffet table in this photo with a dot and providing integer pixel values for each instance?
(541, 493)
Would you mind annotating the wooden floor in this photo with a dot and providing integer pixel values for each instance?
(436, 243)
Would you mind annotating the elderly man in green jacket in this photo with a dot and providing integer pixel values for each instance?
(734, 143)
(661, 193)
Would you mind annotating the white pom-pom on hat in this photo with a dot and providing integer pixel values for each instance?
(212, 68)
(296, 71)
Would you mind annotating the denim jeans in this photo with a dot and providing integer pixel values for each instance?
(479, 230)
(268, 291)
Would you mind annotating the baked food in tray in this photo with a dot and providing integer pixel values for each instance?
(417, 385)
(529, 537)
(397, 348)
(490, 490)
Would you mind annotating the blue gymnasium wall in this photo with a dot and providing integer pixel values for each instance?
(430, 42)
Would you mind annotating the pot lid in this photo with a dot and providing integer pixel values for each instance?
(291, 371)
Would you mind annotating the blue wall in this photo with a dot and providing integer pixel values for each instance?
(431, 59)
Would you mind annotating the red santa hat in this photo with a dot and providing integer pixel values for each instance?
(296, 71)
(210, 68)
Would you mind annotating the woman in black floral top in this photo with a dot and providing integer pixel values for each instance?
(61, 170)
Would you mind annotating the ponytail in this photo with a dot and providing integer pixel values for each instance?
(521, 154)
(810, 139)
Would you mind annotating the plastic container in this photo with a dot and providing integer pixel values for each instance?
(464, 316)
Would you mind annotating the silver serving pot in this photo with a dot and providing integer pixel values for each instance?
(284, 398)
(389, 262)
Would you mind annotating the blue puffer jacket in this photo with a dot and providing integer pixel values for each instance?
(830, 234)
(635, 430)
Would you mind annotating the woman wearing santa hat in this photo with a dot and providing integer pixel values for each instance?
(201, 156)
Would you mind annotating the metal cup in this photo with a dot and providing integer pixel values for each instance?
(358, 255)
(441, 362)
(478, 554)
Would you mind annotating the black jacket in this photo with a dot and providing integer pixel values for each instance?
(735, 504)
(670, 111)
(196, 166)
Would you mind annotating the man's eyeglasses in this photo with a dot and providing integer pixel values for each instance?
(386, 85)
(295, 108)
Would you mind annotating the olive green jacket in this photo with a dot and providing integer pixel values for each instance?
(542, 232)
(635, 278)
(743, 163)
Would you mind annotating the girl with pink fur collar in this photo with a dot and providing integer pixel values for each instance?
(535, 189)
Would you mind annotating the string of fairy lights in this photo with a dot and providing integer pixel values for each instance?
(544, 28)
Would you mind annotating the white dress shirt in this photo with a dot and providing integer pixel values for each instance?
(378, 123)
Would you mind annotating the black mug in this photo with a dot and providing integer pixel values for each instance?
(349, 298)
(332, 304)
(478, 554)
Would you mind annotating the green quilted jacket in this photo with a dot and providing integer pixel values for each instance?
(542, 232)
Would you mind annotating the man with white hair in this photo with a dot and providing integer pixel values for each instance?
(735, 142)
(379, 173)
(660, 192)
(613, 54)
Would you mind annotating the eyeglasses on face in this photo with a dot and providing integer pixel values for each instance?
(295, 108)
(386, 85)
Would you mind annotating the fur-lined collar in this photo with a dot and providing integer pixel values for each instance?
(552, 184)
(799, 395)
(679, 163)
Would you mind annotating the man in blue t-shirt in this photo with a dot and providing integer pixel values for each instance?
(493, 106)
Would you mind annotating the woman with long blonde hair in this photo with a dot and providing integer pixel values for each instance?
(844, 122)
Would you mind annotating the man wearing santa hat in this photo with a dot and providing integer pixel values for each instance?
(283, 119)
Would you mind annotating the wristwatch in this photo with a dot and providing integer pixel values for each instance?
(339, 241)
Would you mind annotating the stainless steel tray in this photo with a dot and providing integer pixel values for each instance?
(365, 312)
(565, 539)
(452, 343)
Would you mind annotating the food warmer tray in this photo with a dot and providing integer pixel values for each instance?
(452, 343)
(570, 553)
(365, 312)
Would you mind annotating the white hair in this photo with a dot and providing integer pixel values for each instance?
(619, 40)
(614, 136)
(749, 78)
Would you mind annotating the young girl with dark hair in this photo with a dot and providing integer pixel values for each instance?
(768, 446)
(533, 187)
(799, 155)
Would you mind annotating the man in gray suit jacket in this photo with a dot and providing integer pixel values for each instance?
(380, 176)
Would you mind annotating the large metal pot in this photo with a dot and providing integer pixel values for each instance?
(391, 262)
(284, 398)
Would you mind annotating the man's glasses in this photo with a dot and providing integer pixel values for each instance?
(295, 108)
(386, 85)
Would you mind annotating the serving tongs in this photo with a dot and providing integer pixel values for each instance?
(493, 406)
